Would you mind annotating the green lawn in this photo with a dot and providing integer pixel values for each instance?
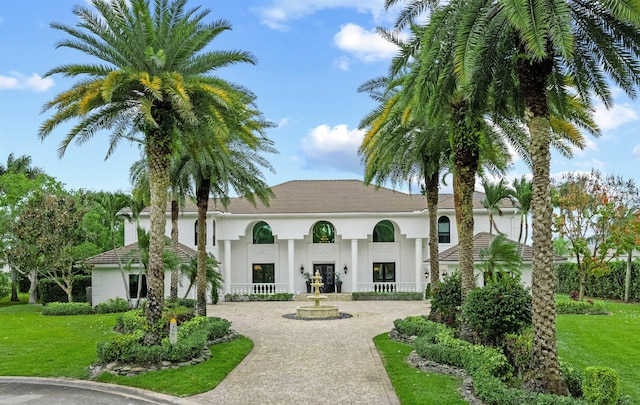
(35, 345)
(411, 385)
(605, 340)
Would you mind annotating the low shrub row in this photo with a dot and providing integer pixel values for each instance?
(591, 307)
(421, 327)
(193, 337)
(67, 308)
(258, 297)
(50, 291)
(387, 296)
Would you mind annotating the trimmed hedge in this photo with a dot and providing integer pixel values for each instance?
(610, 285)
(387, 296)
(422, 327)
(68, 308)
(590, 307)
(258, 297)
(113, 306)
(51, 292)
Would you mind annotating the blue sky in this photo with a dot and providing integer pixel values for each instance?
(312, 56)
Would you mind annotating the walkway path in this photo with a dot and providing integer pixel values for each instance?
(309, 362)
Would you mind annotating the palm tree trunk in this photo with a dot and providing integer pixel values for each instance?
(202, 200)
(158, 160)
(465, 144)
(173, 295)
(545, 371)
(431, 190)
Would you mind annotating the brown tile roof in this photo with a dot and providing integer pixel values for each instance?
(481, 241)
(333, 196)
(130, 253)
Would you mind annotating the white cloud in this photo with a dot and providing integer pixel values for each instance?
(636, 152)
(18, 81)
(333, 149)
(367, 46)
(342, 63)
(279, 12)
(283, 122)
(619, 115)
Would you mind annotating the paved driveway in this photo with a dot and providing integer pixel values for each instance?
(309, 362)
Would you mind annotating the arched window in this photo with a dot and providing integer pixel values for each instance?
(262, 234)
(444, 230)
(384, 232)
(323, 232)
(195, 233)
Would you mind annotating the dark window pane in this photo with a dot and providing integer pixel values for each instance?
(323, 232)
(444, 230)
(383, 232)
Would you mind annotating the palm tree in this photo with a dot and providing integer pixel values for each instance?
(113, 205)
(522, 194)
(214, 172)
(500, 260)
(494, 194)
(153, 78)
(543, 42)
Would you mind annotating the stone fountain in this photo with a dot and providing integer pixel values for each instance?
(317, 310)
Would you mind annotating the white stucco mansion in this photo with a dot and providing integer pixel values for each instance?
(372, 239)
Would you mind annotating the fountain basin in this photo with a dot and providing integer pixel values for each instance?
(317, 311)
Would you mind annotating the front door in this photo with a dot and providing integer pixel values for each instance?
(328, 273)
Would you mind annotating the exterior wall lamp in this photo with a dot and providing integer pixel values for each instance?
(301, 269)
(345, 268)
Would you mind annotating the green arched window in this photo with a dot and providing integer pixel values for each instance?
(262, 234)
(384, 232)
(323, 232)
(444, 230)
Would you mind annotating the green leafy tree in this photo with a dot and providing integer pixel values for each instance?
(592, 214)
(153, 77)
(47, 232)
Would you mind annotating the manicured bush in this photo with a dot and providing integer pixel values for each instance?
(421, 326)
(572, 377)
(462, 354)
(131, 321)
(67, 308)
(601, 385)
(386, 296)
(113, 306)
(447, 300)
(181, 315)
(258, 297)
(180, 302)
(592, 307)
(497, 309)
(51, 292)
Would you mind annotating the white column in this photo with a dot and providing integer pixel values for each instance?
(419, 273)
(227, 265)
(290, 272)
(354, 265)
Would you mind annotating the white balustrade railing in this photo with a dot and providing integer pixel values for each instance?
(387, 287)
(259, 288)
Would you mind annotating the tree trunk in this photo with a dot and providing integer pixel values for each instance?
(173, 295)
(33, 278)
(202, 200)
(158, 153)
(431, 190)
(627, 276)
(544, 375)
(465, 145)
(14, 285)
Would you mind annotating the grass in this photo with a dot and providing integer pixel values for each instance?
(604, 340)
(190, 380)
(35, 345)
(412, 385)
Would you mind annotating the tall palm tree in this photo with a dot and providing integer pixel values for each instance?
(153, 77)
(215, 171)
(494, 194)
(522, 195)
(544, 41)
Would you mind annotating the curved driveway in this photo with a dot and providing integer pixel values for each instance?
(309, 362)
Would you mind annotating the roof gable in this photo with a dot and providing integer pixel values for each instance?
(129, 254)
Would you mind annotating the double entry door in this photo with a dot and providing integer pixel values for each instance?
(328, 273)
